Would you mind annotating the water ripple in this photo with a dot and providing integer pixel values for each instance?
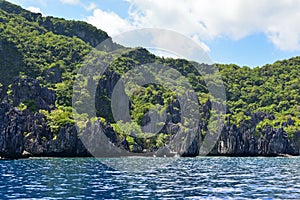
(191, 178)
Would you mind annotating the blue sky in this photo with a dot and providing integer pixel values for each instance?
(242, 32)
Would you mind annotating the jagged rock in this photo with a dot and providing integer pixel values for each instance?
(186, 143)
(244, 140)
(228, 141)
(28, 130)
(11, 132)
(66, 143)
(173, 112)
(29, 91)
(170, 128)
(296, 142)
(124, 144)
(136, 148)
(53, 75)
(277, 144)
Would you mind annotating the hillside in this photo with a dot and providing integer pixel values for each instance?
(39, 60)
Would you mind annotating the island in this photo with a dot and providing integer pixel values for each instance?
(39, 60)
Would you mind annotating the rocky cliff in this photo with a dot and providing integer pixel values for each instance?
(26, 133)
(242, 140)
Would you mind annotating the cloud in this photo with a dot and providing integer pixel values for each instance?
(24, 3)
(233, 19)
(109, 21)
(72, 2)
(207, 20)
(88, 7)
(113, 24)
(34, 9)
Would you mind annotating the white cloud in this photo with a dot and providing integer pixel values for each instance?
(109, 21)
(72, 2)
(235, 19)
(24, 3)
(209, 19)
(90, 7)
(34, 9)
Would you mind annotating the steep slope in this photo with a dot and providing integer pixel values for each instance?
(82, 30)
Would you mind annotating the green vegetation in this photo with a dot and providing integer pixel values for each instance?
(29, 104)
(272, 89)
(52, 50)
(57, 119)
(161, 140)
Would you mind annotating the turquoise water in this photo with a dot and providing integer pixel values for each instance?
(156, 178)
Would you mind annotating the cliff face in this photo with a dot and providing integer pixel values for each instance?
(27, 132)
(23, 134)
(242, 140)
(11, 136)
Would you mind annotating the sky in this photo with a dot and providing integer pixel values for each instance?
(243, 32)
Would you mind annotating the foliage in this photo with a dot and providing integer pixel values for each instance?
(128, 128)
(28, 104)
(35, 46)
(161, 140)
(57, 119)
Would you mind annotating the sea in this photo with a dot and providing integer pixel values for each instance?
(151, 178)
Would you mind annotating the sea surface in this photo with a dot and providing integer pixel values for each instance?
(155, 178)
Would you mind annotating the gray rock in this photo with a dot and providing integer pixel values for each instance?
(11, 132)
(30, 92)
(53, 75)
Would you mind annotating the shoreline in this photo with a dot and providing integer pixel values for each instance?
(207, 156)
